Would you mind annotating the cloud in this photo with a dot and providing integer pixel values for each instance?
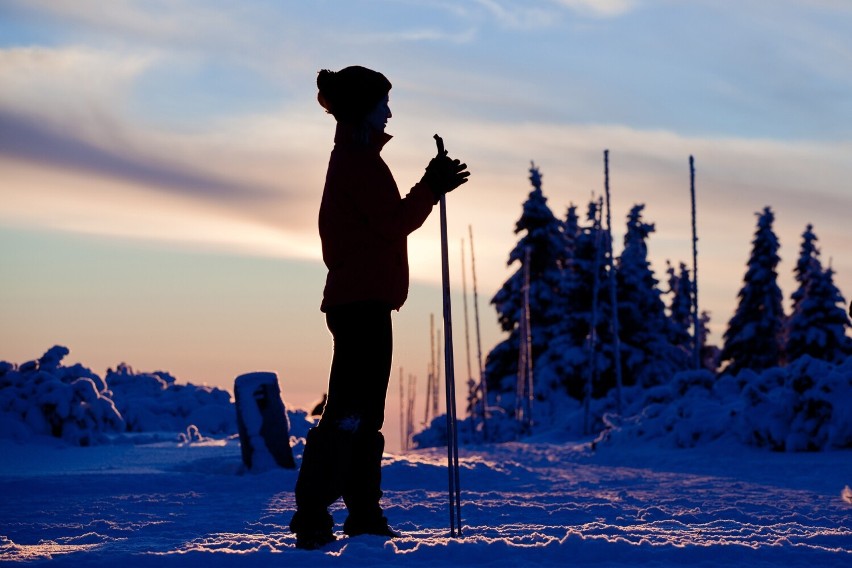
(184, 23)
(66, 108)
(520, 15)
(28, 140)
(266, 39)
(527, 16)
(37, 197)
(414, 35)
(599, 8)
(70, 80)
(65, 128)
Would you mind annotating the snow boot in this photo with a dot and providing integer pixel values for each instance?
(362, 489)
(313, 530)
(376, 526)
(313, 540)
(319, 482)
(317, 487)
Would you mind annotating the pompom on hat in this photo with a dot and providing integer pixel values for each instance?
(351, 93)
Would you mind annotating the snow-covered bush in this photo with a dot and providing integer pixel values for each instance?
(154, 402)
(805, 406)
(45, 398)
(687, 411)
(501, 428)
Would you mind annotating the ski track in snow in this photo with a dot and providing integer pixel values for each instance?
(522, 504)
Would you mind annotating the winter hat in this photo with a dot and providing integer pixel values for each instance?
(351, 93)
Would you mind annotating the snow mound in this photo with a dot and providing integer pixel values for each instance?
(806, 406)
(155, 402)
(43, 399)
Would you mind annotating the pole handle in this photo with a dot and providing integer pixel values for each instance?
(440, 143)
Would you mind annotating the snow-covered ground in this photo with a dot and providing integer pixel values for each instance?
(137, 469)
(545, 501)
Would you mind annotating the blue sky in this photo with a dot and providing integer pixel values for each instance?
(163, 161)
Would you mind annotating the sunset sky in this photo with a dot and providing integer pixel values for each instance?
(161, 162)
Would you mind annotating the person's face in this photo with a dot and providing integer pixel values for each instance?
(378, 117)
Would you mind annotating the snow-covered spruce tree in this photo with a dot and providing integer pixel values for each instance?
(565, 365)
(543, 234)
(648, 355)
(754, 338)
(807, 265)
(680, 319)
(709, 353)
(680, 307)
(818, 323)
(570, 230)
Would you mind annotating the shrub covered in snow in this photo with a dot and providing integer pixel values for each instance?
(155, 402)
(805, 406)
(687, 411)
(43, 397)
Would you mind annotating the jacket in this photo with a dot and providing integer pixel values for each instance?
(364, 224)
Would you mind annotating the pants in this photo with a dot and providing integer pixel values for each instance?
(343, 454)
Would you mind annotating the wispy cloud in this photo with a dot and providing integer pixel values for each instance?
(63, 108)
(187, 23)
(599, 8)
(414, 35)
(31, 141)
(539, 14)
(68, 82)
(521, 15)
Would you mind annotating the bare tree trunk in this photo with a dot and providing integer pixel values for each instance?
(612, 289)
(696, 323)
(483, 388)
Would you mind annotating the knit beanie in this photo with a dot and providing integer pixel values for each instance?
(351, 93)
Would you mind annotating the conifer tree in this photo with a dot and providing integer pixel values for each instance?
(680, 318)
(543, 234)
(807, 265)
(709, 353)
(754, 338)
(649, 357)
(567, 361)
(680, 307)
(570, 230)
(818, 323)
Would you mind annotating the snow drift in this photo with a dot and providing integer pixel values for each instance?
(45, 398)
(805, 406)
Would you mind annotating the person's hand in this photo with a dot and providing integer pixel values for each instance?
(444, 174)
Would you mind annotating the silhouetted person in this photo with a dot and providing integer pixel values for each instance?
(363, 224)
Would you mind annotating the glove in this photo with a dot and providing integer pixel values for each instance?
(444, 175)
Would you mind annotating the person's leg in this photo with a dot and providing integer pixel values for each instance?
(343, 453)
(315, 491)
(326, 450)
(360, 369)
(361, 489)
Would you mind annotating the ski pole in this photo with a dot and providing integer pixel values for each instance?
(452, 434)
